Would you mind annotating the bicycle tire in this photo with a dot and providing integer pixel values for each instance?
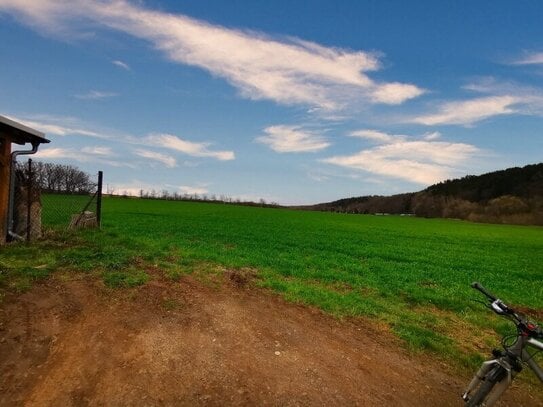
(485, 388)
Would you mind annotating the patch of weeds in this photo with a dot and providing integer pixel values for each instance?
(350, 303)
(419, 338)
(208, 273)
(89, 257)
(186, 263)
(20, 284)
(174, 273)
(174, 267)
(125, 278)
(20, 279)
(64, 275)
(504, 328)
(471, 360)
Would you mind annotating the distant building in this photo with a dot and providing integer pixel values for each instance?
(12, 132)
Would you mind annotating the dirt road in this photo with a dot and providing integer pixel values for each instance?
(73, 342)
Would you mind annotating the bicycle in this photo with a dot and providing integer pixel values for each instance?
(495, 376)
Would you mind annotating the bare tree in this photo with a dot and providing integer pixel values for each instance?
(59, 178)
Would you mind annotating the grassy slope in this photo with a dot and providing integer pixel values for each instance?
(412, 274)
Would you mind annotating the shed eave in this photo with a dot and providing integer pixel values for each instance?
(19, 133)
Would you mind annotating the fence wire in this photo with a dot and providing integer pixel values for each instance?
(52, 196)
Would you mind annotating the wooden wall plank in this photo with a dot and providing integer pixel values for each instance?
(5, 160)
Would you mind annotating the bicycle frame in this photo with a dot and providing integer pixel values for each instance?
(530, 361)
(515, 352)
(495, 376)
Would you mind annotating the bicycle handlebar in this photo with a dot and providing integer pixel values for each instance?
(480, 288)
(500, 308)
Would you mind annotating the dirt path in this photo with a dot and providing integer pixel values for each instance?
(189, 343)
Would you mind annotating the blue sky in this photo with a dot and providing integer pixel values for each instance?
(290, 101)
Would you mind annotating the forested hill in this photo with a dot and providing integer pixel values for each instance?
(525, 182)
(514, 195)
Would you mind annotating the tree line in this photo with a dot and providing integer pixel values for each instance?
(202, 197)
(55, 178)
(514, 195)
(68, 179)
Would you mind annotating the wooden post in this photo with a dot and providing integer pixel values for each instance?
(5, 164)
(99, 199)
(29, 201)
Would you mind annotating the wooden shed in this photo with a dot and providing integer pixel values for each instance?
(12, 132)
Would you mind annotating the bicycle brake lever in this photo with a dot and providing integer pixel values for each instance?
(496, 306)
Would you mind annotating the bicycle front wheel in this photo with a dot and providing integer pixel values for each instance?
(492, 377)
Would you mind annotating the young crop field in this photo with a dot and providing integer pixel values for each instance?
(410, 275)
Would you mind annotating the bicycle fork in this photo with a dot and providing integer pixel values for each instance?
(500, 386)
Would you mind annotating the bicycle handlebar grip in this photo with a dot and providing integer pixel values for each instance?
(480, 288)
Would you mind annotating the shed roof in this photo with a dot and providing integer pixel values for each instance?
(19, 133)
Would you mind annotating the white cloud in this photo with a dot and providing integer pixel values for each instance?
(122, 189)
(468, 112)
(69, 126)
(376, 136)
(497, 98)
(432, 136)
(191, 190)
(55, 126)
(292, 139)
(121, 64)
(101, 151)
(188, 147)
(54, 152)
(396, 93)
(96, 95)
(532, 58)
(317, 176)
(419, 161)
(287, 71)
(165, 159)
(94, 154)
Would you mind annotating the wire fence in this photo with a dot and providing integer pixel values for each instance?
(52, 196)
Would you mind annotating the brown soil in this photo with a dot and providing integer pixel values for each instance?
(75, 342)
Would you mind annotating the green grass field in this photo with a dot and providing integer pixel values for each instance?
(411, 275)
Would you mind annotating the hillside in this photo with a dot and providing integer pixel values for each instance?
(514, 195)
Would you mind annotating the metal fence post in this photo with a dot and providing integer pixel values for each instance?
(99, 200)
(29, 200)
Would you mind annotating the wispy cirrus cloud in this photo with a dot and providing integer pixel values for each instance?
(376, 136)
(98, 151)
(96, 154)
(165, 159)
(529, 58)
(467, 112)
(191, 148)
(289, 71)
(292, 139)
(419, 161)
(495, 98)
(51, 125)
(55, 152)
(59, 126)
(121, 64)
(96, 95)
